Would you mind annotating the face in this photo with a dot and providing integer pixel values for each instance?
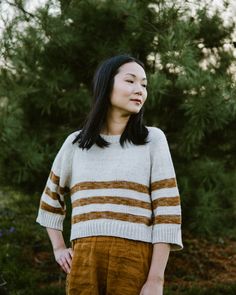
(129, 91)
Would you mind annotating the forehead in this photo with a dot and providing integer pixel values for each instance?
(132, 68)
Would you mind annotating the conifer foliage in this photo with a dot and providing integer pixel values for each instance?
(48, 58)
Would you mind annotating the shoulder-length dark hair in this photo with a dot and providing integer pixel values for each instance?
(103, 81)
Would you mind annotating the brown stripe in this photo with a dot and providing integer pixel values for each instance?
(51, 209)
(54, 196)
(165, 183)
(111, 215)
(63, 190)
(54, 178)
(112, 200)
(167, 219)
(110, 184)
(166, 201)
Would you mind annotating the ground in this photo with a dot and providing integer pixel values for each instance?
(203, 262)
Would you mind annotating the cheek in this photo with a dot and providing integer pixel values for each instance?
(121, 90)
(144, 96)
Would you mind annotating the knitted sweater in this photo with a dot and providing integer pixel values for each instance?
(128, 192)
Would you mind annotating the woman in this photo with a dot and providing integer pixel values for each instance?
(126, 214)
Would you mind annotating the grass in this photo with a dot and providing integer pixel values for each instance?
(28, 266)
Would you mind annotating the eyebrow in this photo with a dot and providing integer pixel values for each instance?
(134, 76)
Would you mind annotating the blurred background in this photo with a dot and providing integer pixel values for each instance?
(49, 51)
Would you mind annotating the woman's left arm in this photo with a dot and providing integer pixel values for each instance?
(155, 280)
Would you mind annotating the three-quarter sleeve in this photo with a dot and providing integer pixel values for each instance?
(164, 192)
(52, 208)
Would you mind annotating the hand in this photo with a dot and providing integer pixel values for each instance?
(63, 257)
(152, 287)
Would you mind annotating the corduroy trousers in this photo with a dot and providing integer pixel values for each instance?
(104, 265)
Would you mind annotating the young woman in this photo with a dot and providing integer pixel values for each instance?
(126, 212)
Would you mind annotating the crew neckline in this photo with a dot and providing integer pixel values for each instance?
(111, 138)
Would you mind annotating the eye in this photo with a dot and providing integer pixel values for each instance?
(144, 85)
(130, 81)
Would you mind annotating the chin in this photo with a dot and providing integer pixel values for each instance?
(135, 111)
(131, 111)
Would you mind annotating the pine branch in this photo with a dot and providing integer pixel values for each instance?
(19, 5)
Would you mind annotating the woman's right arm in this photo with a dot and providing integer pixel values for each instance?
(52, 209)
(63, 255)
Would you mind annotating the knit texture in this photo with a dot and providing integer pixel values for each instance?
(129, 192)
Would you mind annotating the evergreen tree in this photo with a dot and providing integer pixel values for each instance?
(45, 90)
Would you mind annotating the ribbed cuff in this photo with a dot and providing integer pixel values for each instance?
(50, 220)
(170, 234)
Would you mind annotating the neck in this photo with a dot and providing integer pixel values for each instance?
(115, 125)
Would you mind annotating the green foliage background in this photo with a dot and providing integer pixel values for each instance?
(48, 60)
(45, 87)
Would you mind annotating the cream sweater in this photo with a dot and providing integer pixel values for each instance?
(128, 192)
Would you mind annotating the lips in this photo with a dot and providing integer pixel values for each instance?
(136, 99)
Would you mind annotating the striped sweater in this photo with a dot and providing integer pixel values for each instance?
(128, 192)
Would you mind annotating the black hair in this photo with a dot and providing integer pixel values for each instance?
(103, 81)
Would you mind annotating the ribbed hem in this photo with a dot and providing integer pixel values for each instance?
(168, 234)
(104, 227)
(50, 220)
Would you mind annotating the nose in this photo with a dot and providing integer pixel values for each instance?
(138, 89)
